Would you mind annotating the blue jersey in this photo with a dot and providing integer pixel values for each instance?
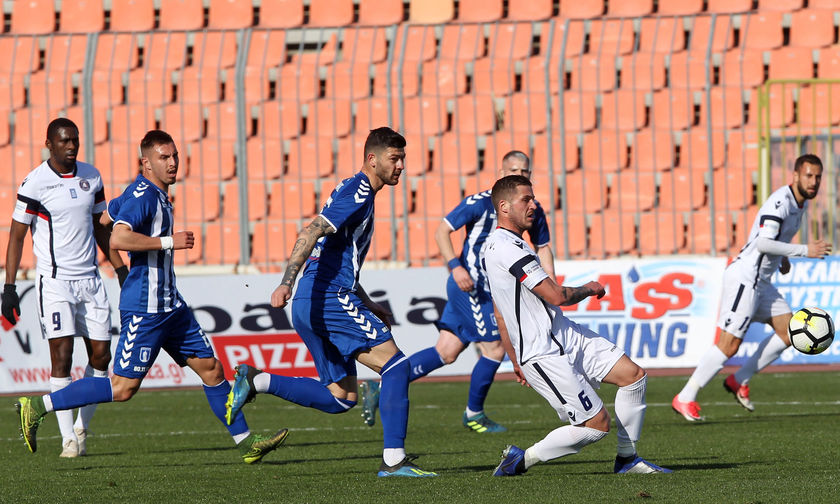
(150, 285)
(476, 212)
(337, 258)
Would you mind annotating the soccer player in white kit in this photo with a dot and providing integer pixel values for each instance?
(560, 359)
(748, 296)
(61, 201)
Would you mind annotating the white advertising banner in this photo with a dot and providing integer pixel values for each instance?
(661, 312)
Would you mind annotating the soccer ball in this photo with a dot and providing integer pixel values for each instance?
(811, 330)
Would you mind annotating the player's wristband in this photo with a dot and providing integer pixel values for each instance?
(453, 263)
(167, 243)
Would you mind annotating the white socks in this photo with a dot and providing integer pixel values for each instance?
(710, 365)
(393, 456)
(630, 408)
(768, 351)
(65, 418)
(262, 382)
(562, 441)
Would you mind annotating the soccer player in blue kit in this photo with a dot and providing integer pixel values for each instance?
(468, 315)
(334, 316)
(153, 315)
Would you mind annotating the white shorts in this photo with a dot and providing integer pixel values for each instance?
(740, 304)
(73, 308)
(568, 380)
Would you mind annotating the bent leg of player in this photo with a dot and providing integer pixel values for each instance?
(80, 427)
(481, 379)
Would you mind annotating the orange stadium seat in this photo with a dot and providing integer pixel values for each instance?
(534, 73)
(12, 92)
(682, 189)
(511, 41)
(529, 10)
(221, 242)
(372, 113)
(119, 162)
(184, 121)
(633, 191)
(694, 149)
(33, 17)
(82, 16)
(474, 114)
(221, 120)
(265, 158)
(195, 254)
(116, 52)
(257, 200)
(19, 55)
(643, 71)
(416, 42)
(198, 85)
(603, 151)
(278, 119)
(148, 86)
(404, 81)
(812, 28)
(51, 89)
(742, 68)
(330, 13)
(780, 106)
(364, 45)
(702, 38)
(211, 160)
(579, 112)
(455, 154)
(585, 192)
(733, 189)
(267, 48)
(680, 7)
(418, 155)
(426, 115)
(443, 78)
(436, 196)
(281, 14)
(100, 124)
(130, 122)
(132, 15)
(727, 110)
(497, 144)
(743, 224)
(570, 32)
(165, 50)
(652, 149)
(742, 149)
(494, 77)
(329, 117)
(728, 6)
(526, 113)
(700, 234)
(430, 11)
(579, 10)
(421, 240)
(610, 37)
(630, 8)
(819, 105)
(310, 156)
(298, 81)
(392, 202)
(200, 201)
(623, 110)
(348, 80)
(661, 34)
(541, 159)
(791, 63)
(230, 14)
(828, 62)
(4, 130)
(273, 241)
(661, 232)
(462, 42)
(181, 15)
(380, 12)
(762, 30)
(572, 230)
(215, 49)
(822, 4)
(65, 53)
(779, 5)
(611, 233)
(687, 70)
(592, 73)
(292, 199)
(479, 11)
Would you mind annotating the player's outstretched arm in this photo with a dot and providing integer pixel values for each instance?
(505, 338)
(819, 249)
(443, 238)
(561, 295)
(306, 240)
(123, 238)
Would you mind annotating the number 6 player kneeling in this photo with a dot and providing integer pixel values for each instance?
(557, 357)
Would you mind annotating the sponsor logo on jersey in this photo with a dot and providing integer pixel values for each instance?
(73, 193)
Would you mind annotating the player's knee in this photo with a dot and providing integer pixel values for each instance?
(497, 353)
(601, 421)
(122, 394)
(100, 361)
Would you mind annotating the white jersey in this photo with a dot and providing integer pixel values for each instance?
(778, 219)
(58, 209)
(535, 327)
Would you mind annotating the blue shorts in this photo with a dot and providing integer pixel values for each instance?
(335, 327)
(142, 335)
(468, 315)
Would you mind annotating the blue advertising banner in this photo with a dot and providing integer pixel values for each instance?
(810, 283)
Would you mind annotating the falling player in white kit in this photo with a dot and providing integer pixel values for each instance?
(560, 359)
(749, 296)
(61, 201)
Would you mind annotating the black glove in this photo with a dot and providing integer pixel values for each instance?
(11, 304)
(122, 273)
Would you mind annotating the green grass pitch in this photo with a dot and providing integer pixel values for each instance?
(165, 446)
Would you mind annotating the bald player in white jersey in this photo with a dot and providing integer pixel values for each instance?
(749, 296)
(560, 359)
(61, 201)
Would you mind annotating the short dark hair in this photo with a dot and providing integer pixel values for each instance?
(807, 158)
(382, 138)
(153, 138)
(505, 187)
(58, 123)
(518, 155)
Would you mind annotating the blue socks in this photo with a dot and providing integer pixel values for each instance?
(217, 396)
(482, 377)
(308, 392)
(424, 362)
(88, 390)
(393, 400)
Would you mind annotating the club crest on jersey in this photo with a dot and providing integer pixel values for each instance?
(145, 353)
(84, 185)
